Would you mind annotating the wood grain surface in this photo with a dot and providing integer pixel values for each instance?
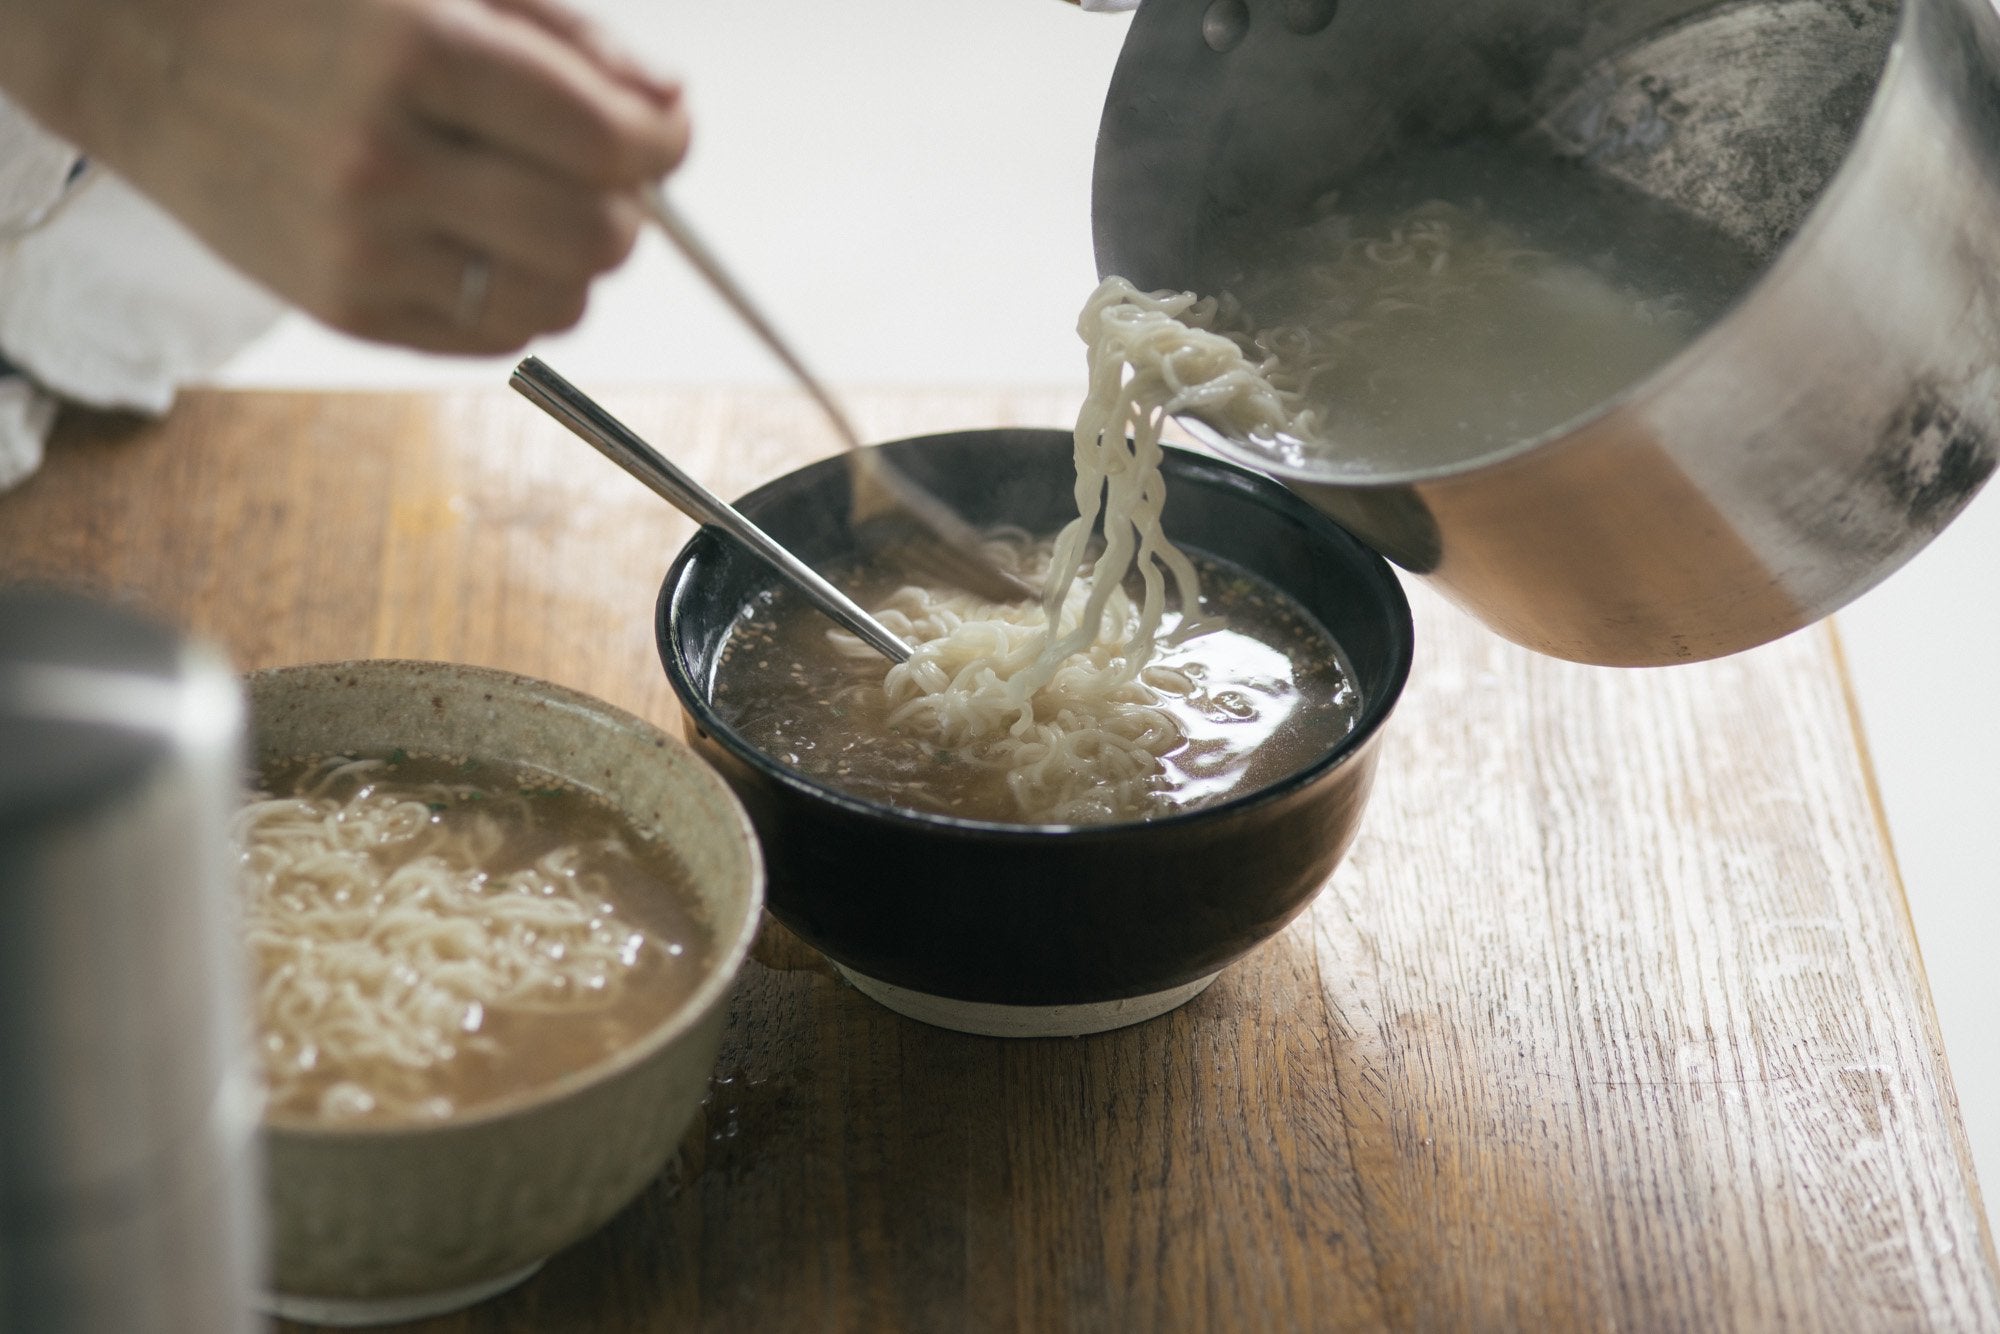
(1612, 1020)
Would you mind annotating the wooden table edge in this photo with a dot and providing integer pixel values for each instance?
(1961, 1145)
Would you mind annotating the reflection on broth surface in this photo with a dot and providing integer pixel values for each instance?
(429, 934)
(1257, 692)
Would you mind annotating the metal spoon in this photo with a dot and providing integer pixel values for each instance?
(613, 439)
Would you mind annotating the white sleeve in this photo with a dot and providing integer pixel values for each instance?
(26, 414)
(35, 169)
(104, 298)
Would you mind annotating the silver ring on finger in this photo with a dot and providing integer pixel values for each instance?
(473, 281)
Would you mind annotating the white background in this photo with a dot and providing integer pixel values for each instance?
(868, 163)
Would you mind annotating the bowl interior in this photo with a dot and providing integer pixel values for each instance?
(1025, 477)
(652, 779)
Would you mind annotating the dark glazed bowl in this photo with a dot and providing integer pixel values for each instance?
(1042, 929)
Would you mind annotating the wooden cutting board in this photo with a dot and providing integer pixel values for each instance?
(1612, 1019)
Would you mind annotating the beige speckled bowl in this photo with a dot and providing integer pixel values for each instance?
(378, 1223)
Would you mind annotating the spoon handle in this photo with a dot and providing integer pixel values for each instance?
(611, 438)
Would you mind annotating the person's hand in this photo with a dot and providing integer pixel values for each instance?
(447, 174)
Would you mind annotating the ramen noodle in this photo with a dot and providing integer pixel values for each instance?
(1090, 705)
(427, 936)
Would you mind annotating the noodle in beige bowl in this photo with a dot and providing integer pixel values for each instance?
(492, 925)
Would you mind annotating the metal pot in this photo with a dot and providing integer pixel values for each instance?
(1832, 421)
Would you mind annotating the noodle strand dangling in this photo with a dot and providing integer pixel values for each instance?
(1056, 694)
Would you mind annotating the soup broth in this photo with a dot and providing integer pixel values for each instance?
(1259, 692)
(429, 935)
(1458, 301)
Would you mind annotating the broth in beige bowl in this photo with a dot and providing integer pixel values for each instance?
(429, 934)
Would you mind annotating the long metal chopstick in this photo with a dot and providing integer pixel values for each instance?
(612, 438)
(954, 544)
(668, 219)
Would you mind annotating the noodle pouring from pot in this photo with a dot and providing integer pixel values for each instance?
(1059, 696)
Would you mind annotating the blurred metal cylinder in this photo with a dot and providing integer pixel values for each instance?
(127, 1109)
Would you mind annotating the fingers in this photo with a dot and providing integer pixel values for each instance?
(568, 26)
(527, 88)
(427, 295)
(428, 204)
(524, 144)
(514, 211)
(353, 155)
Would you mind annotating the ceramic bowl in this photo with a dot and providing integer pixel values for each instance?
(371, 1223)
(1037, 930)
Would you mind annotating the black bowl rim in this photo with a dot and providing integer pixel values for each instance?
(1179, 462)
